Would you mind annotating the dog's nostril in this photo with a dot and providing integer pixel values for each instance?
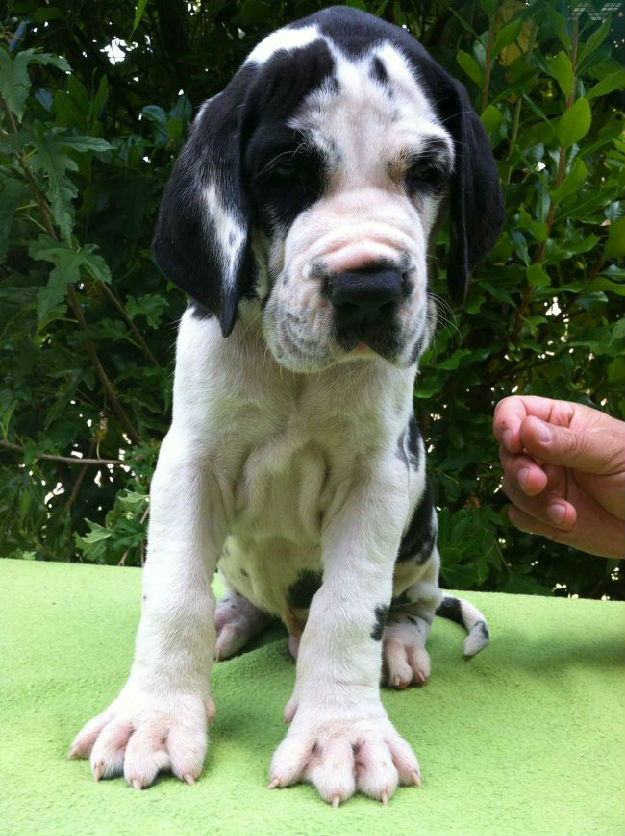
(366, 297)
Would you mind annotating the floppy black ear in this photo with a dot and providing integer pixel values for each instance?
(202, 235)
(476, 201)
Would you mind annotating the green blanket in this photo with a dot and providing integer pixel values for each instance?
(527, 738)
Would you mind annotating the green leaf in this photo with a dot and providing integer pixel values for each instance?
(574, 123)
(572, 182)
(507, 35)
(613, 81)
(471, 67)
(615, 245)
(51, 158)
(67, 270)
(489, 7)
(561, 69)
(593, 42)
(537, 277)
(537, 228)
(493, 119)
(14, 77)
(141, 4)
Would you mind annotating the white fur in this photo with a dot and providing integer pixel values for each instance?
(282, 39)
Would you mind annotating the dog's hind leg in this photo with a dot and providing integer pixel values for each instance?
(406, 661)
(237, 621)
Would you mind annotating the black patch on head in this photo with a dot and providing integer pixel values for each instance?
(378, 71)
(300, 594)
(419, 538)
(451, 608)
(285, 173)
(381, 617)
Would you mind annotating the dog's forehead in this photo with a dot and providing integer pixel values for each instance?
(339, 77)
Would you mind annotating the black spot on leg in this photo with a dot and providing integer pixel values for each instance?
(144, 597)
(401, 599)
(381, 617)
(300, 594)
(408, 444)
(420, 537)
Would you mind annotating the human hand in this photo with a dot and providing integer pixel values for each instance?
(564, 470)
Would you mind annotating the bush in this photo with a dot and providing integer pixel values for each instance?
(96, 101)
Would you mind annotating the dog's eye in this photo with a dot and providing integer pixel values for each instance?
(285, 171)
(424, 175)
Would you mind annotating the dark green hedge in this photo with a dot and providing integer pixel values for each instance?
(88, 324)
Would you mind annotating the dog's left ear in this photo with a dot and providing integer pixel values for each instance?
(201, 240)
(476, 201)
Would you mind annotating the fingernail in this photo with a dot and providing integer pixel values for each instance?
(544, 432)
(523, 476)
(507, 439)
(556, 513)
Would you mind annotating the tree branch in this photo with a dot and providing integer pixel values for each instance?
(48, 457)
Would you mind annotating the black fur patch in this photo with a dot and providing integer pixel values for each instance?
(451, 608)
(378, 71)
(408, 444)
(199, 311)
(381, 617)
(417, 349)
(420, 536)
(481, 626)
(401, 600)
(300, 593)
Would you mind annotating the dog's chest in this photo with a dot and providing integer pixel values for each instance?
(287, 483)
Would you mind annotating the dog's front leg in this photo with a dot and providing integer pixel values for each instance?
(159, 719)
(340, 738)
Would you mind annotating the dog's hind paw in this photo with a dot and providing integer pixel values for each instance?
(237, 621)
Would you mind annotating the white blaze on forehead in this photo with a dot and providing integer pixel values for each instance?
(282, 39)
(227, 232)
(369, 122)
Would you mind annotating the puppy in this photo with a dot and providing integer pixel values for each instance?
(300, 218)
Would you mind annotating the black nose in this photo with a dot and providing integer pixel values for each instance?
(365, 298)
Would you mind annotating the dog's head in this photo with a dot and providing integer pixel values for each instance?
(314, 182)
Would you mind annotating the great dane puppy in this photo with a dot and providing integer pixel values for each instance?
(300, 219)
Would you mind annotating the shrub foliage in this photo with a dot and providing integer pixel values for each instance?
(95, 102)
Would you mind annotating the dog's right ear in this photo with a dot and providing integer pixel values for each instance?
(202, 235)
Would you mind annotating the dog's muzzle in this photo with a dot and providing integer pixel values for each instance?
(365, 304)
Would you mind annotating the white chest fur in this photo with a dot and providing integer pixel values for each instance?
(285, 449)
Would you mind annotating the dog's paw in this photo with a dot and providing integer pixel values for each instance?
(141, 734)
(340, 757)
(237, 620)
(406, 661)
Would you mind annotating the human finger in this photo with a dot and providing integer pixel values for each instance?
(547, 507)
(591, 450)
(529, 476)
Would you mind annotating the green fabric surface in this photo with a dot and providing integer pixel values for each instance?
(527, 738)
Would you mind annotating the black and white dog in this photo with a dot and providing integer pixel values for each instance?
(299, 218)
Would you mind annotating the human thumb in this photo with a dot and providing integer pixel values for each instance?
(589, 449)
